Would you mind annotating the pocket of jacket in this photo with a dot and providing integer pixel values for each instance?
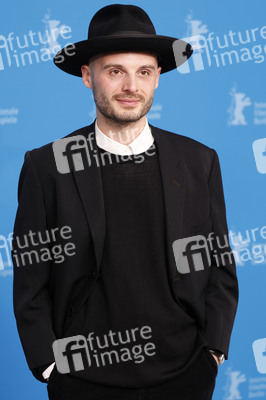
(52, 376)
(211, 361)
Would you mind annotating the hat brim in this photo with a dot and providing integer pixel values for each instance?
(72, 57)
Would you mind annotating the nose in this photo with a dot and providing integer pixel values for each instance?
(129, 83)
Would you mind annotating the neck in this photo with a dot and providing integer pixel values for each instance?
(123, 133)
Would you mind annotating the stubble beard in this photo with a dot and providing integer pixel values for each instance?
(106, 108)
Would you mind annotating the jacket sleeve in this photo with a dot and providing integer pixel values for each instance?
(222, 291)
(31, 299)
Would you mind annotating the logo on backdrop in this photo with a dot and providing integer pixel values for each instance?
(249, 247)
(195, 36)
(238, 109)
(92, 108)
(195, 26)
(234, 379)
(8, 115)
(259, 150)
(239, 385)
(155, 112)
(55, 30)
(5, 255)
(211, 50)
(259, 350)
(33, 47)
(239, 101)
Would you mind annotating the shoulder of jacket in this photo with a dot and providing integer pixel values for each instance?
(182, 140)
(45, 150)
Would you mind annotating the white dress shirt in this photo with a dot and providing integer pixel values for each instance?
(139, 145)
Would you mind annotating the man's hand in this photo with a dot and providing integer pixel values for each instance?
(216, 359)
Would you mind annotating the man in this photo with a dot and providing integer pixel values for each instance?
(120, 316)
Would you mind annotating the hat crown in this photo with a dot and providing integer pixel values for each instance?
(118, 18)
(122, 28)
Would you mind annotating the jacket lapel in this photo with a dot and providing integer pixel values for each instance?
(89, 186)
(173, 183)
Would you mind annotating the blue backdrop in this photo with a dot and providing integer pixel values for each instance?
(219, 99)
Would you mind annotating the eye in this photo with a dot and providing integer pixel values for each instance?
(115, 72)
(144, 72)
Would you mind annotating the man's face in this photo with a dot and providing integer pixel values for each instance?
(123, 84)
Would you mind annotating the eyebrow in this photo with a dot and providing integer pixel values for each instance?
(146, 66)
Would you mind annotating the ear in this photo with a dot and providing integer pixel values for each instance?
(157, 77)
(86, 76)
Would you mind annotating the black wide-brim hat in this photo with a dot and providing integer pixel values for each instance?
(122, 28)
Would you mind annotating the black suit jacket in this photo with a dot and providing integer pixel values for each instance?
(48, 294)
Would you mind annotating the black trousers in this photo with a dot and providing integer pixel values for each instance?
(197, 383)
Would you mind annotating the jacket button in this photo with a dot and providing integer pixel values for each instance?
(93, 274)
(100, 275)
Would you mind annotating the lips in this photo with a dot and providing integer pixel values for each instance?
(128, 101)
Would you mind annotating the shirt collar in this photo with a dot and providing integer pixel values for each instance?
(139, 145)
